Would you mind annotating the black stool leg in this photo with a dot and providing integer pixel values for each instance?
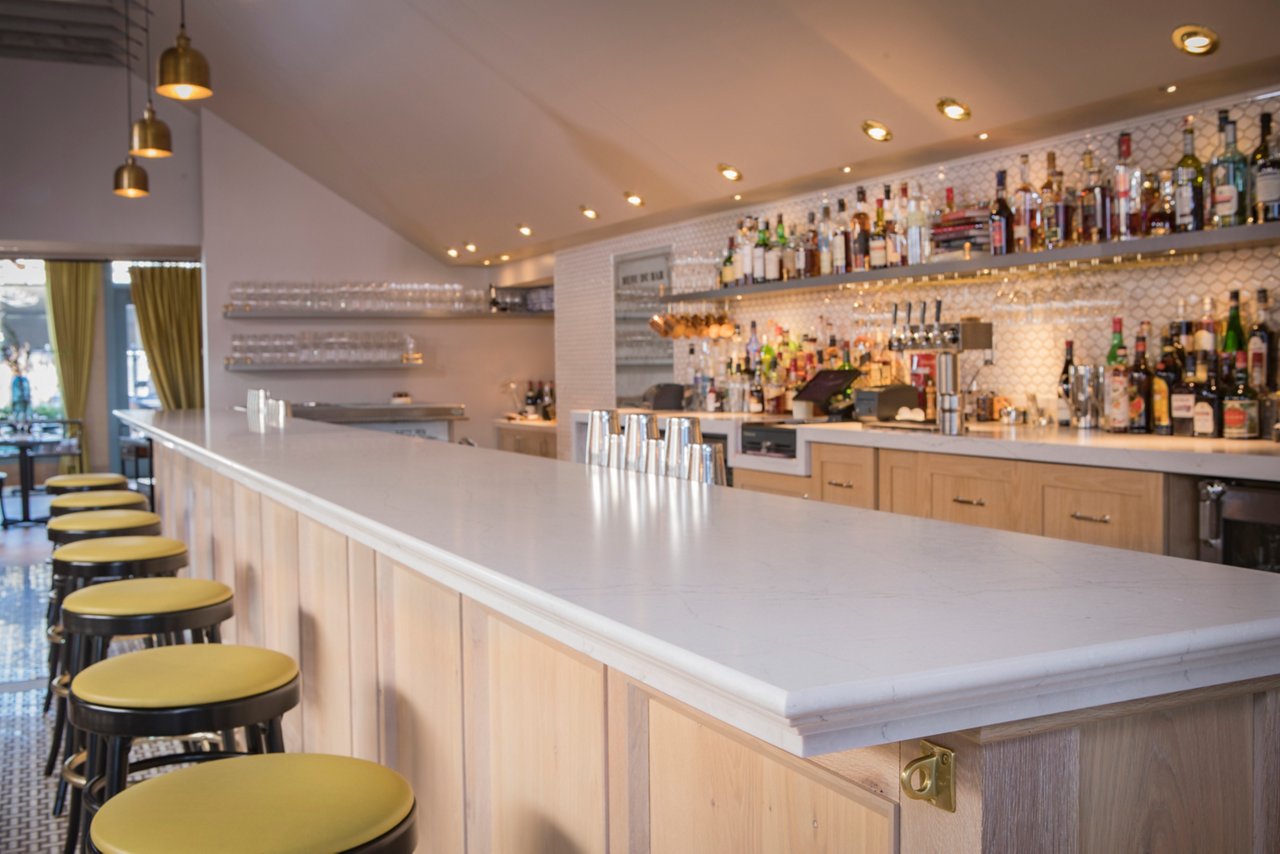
(117, 770)
(55, 740)
(275, 736)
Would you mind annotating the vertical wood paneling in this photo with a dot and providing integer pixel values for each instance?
(1174, 781)
(628, 734)
(1031, 793)
(362, 596)
(535, 741)
(1266, 772)
(325, 638)
(280, 608)
(420, 689)
(222, 522)
(246, 550)
(200, 524)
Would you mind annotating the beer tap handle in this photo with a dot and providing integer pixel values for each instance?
(937, 312)
(893, 330)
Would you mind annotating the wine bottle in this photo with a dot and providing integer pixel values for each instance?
(1266, 176)
(1139, 390)
(1233, 340)
(1001, 220)
(1188, 186)
(760, 251)
(1117, 393)
(1117, 341)
(840, 240)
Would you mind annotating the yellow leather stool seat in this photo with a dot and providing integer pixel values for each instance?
(103, 520)
(98, 499)
(119, 549)
(89, 480)
(140, 597)
(188, 675)
(275, 802)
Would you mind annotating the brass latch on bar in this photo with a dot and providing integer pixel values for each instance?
(935, 771)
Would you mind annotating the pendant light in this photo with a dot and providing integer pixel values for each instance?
(131, 179)
(183, 71)
(149, 137)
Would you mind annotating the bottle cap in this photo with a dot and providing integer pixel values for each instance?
(1125, 148)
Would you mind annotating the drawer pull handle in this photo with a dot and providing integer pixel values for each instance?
(972, 502)
(1104, 519)
(840, 485)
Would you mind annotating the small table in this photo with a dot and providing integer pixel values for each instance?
(31, 446)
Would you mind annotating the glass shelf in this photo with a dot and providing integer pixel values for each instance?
(324, 366)
(1071, 259)
(278, 314)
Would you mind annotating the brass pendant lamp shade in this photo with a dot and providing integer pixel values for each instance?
(183, 71)
(131, 180)
(150, 137)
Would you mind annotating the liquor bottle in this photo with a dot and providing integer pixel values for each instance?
(1262, 347)
(1233, 341)
(530, 399)
(1207, 411)
(1125, 202)
(1240, 405)
(790, 249)
(861, 241)
(727, 274)
(811, 246)
(1266, 180)
(1206, 342)
(1140, 382)
(1064, 386)
(1161, 215)
(1117, 393)
(1001, 220)
(1188, 185)
(1027, 235)
(877, 247)
(840, 240)
(1095, 204)
(753, 349)
(801, 253)
(1260, 155)
(824, 242)
(1117, 341)
(893, 257)
(1051, 227)
(1182, 399)
(951, 200)
(901, 222)
(1168, 375)
(745, 239)
(1230, 177)
(1184, 334)
(759, 251)
(917, 233)
(773, 253)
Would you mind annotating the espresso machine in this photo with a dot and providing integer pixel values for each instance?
(948, 341)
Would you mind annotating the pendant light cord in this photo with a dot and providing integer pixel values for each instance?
(182, 5)
(128, 76)
(147, 58)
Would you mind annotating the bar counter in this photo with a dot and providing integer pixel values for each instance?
(787, 629)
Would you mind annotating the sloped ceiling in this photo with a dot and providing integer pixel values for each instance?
(455, 120)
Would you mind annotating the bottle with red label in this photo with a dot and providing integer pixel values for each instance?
(1240, 405)
(1140, 386)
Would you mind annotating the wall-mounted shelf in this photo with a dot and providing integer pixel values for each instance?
(644, 363)
(275, 314)
(1070, 259)
(325, 366)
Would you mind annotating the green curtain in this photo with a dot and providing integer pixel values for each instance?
(71, 290)
(167, 302)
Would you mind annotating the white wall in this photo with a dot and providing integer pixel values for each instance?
(64, 133)
(265, 220)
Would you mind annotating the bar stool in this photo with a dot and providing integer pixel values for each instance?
(86, 524)
(169, 610)
(272, 803)
(173, 691)
(61, 483)
(85, 562)
(4, 512)
(97, 499)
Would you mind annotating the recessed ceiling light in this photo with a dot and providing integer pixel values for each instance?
(487, 262)
(453, 253)
(1195, 39)
(846, 170)
(953, 109)
(737, 197)
(469, 246)
(633, 199)
(984, 135)
(729, 172)
(877, 131)
(1171, 88)
(589, 213)
(504, 257)
(525, 230)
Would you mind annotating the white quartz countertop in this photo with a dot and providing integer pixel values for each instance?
(815, 627)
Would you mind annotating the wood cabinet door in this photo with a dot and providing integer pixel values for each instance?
(774, 484)
(973, 491)
(844, 475)
(897, 485)
(1106, 507)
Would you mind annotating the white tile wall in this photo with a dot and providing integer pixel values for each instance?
(1032, 314)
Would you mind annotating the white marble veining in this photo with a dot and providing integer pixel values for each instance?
(814, 627)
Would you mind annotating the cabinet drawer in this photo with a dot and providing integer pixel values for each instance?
(1107, 507)
(774, 484)
(844, 475)
(972, 491)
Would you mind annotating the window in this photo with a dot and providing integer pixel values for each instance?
(139, 392)
(24, 323)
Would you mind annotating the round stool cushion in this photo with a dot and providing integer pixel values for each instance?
(139, 597)
(119, 549)
(277, 802)
(90, 480)
(98, 499)
(171, 677)
(103, 520)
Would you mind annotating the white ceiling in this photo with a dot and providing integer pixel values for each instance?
(455, 120)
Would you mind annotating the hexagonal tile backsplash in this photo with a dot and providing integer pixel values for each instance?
(1032, 314)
